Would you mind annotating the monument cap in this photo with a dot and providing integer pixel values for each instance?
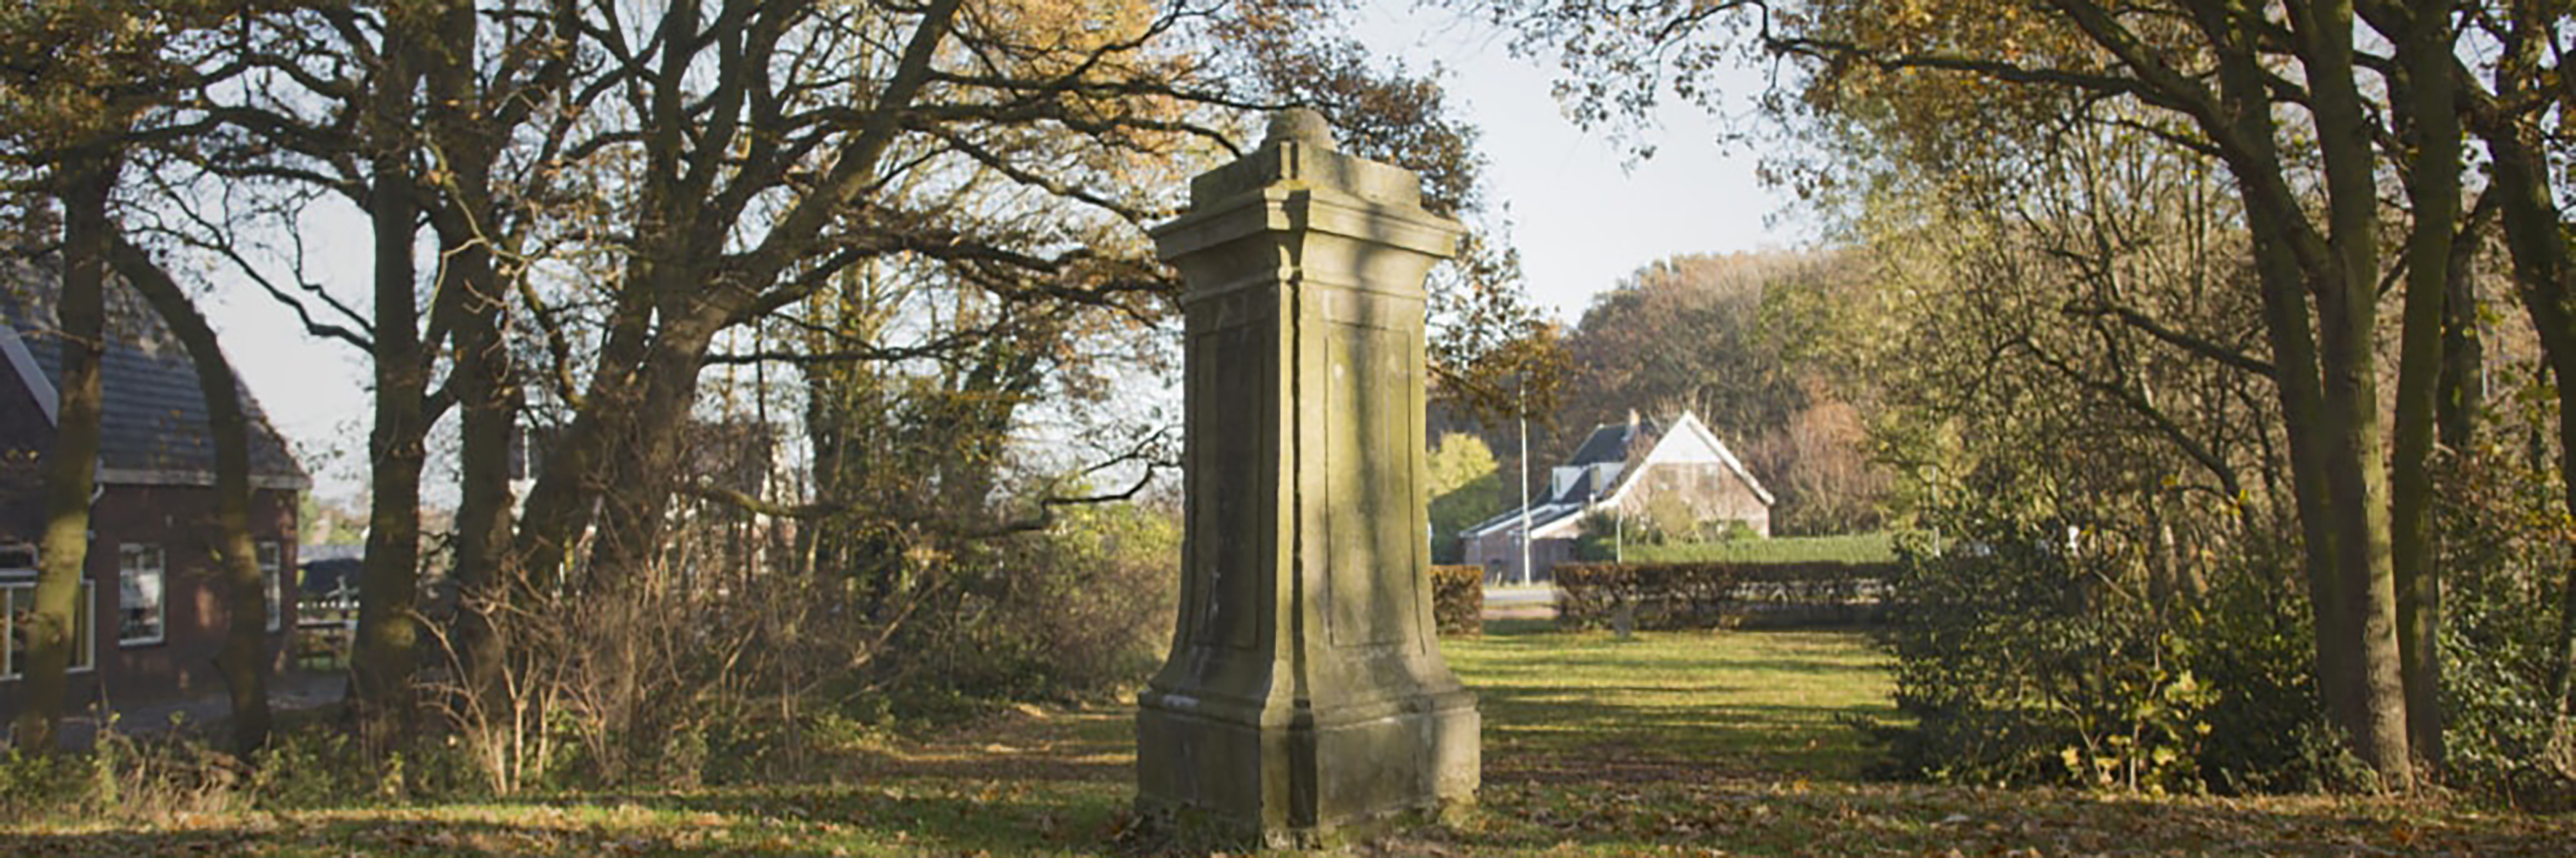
(1300, 125)
(1298, 149)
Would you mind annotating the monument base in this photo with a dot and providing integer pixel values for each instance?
(1294, 777)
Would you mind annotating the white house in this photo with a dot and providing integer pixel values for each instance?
(1636, 468)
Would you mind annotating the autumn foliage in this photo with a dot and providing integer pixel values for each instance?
(1458, 599)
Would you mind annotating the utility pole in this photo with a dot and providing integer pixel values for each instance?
(1521, 406)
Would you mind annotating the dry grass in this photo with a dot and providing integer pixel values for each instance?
(1681, 743)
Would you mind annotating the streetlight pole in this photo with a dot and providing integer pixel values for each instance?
(1521, 405)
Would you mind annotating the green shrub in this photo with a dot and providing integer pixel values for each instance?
(31, 785)
(1600, 538)
(308, 763)
(311, 768)
(1458, 599)
(316, 764)
(1083, 608)
(2503, 549)
(2020, 662)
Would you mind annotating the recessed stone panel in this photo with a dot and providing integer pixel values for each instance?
(1368, 485)
(1225, 529)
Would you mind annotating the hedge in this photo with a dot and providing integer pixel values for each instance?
(1878, 547)
(1458, 599)
(1718, 595)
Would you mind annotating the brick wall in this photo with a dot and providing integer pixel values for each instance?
(179, 519)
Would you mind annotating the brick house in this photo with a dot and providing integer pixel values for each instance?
(1640, 469)
(150, 616)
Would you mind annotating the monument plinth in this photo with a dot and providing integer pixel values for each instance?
(1305, 695)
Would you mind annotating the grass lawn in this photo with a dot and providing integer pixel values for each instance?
(1848, 548)
(1675, 743)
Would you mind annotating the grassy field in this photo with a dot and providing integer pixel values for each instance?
(1683, 743)
(1850, 548)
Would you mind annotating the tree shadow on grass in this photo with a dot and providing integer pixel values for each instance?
(1514, 627)
(1556, 735)
(1675, 812)
(1075, 746)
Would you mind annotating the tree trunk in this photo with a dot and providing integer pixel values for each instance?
(483, 374)
(642, 470)
(490, 400)
(71, 468)
(560, 505)
(244, 659)
(2431, 123)
(2463, 387)
(2373, 706)
(643, 465)
(389, 583)
(2324, 373)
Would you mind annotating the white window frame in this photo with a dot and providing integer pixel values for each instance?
(271, 555)
(160, 605)
(84, 636)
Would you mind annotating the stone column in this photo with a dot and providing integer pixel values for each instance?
(1305, 696)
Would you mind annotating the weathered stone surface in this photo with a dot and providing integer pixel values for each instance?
(1305, 696)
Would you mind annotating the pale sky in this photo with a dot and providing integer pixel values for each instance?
(1580, 216)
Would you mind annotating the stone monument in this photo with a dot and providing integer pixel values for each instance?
(1305, 698)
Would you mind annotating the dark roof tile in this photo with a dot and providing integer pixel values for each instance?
(154, 416)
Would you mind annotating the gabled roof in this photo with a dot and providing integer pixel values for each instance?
(152, 423)
(1600, 459)
(1609, 461)
(1541, 515)
(1689, 429)
(1610, 442)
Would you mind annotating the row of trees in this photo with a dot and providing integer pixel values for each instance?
(2139, 257)
(916, 227)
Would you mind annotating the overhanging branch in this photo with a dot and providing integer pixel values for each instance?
(2180, 339)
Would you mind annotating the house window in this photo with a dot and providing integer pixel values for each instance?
(18, 603)
(139, 579)
(270, 585)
